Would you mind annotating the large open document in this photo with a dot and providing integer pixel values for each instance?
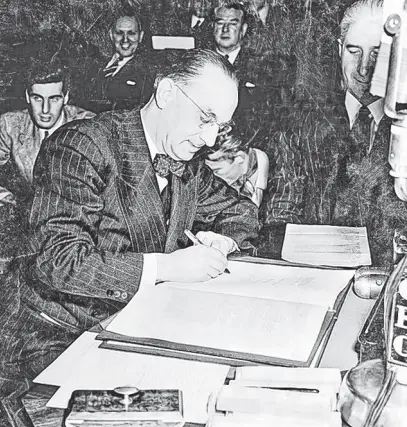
(259, 313)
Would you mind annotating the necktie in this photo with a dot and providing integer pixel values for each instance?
(46, 134)
(361, 131)
(197, 23)
(166, 201)
(164, 165)
(226, 57)
(109, 71)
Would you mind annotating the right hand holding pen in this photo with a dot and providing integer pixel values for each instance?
(193, 264)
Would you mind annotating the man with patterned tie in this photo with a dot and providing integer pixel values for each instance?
(102, 224)
(125, 80)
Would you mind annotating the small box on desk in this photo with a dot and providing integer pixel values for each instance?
(109, 408)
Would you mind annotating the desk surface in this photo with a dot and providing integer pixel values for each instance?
(339, 353)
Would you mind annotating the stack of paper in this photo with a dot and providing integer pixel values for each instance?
(326, 245)
(264, 396)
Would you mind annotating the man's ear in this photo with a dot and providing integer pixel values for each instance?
(27, 96)
(141, 36)
(165, 92)
(66, 97)
(340, 47)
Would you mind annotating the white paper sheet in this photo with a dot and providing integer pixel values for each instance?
(172, 42)
(284, 283)
(276, 329)
(332, 419)
(85, 366)
(326, 245)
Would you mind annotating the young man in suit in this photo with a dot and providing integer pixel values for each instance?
(22, 132)
(125, 80)
(244, 168)
(113, 198)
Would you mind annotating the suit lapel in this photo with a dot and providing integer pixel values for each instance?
(183, 207)
(141, 198)
(138, 188)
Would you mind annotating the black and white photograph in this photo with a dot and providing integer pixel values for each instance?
(203, 217)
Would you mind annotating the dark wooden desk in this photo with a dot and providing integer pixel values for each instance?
(339, 353)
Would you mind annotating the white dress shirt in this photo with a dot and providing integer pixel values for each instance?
(50, 131)
(121, 63)
(196, 21)
(231, 55)
(149, 275)
(376, 109)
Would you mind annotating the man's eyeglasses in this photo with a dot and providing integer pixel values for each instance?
(208, 119)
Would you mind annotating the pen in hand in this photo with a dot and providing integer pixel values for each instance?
(196, 241)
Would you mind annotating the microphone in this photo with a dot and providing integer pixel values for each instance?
(390, 82)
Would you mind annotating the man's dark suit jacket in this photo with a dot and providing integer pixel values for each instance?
(96, 210)
(130, 87)
(251, 92)
(249, 84)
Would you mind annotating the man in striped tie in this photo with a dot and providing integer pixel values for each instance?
(124, 80)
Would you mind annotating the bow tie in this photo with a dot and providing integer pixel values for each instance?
(164, 165)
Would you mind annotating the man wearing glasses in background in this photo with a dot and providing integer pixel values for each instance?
(114, 196)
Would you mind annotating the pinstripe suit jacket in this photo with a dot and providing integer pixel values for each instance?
(97, 209)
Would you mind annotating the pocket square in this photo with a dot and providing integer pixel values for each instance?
(248, 84)
(131, 83)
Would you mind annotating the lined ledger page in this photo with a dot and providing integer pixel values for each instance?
(326, 245)
(283, 283)
(275, 329)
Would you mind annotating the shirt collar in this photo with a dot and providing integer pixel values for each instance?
(195, 19)
(152, 148)
(231, 55)
(57, 125)
(353, 106)
(263, 13)
(121, 62)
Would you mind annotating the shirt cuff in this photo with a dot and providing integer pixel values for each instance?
(149, 275)
(232, 244)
